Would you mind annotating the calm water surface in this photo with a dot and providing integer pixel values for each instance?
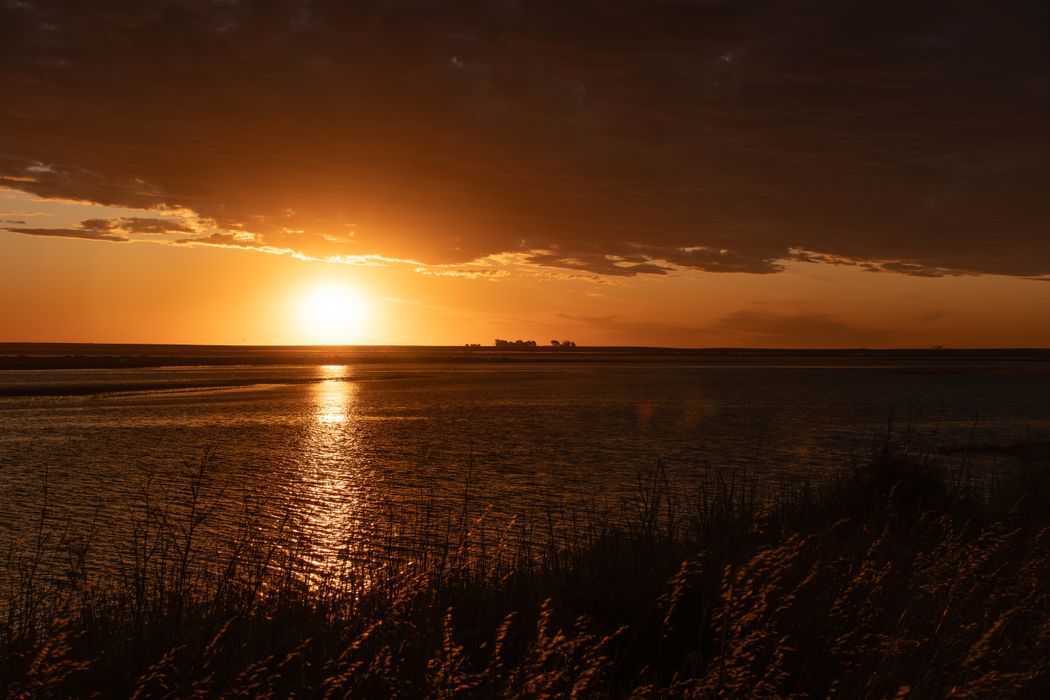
(335, 450)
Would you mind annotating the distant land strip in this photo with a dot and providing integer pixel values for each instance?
(93, 388)
(43, 356)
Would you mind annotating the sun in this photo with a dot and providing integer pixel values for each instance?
(333, 313)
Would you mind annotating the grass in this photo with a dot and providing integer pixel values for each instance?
(897, 579)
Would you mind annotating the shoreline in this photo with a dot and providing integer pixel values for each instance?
(47, 356)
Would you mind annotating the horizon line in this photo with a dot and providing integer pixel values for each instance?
(473, 347)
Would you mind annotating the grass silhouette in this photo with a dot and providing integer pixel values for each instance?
(898, 578)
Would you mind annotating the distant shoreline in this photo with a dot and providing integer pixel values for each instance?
(43, 356)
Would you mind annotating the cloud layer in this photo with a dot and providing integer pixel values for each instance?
(604, 138)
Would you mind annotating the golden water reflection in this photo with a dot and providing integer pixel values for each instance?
(333, 395)
(333, 477)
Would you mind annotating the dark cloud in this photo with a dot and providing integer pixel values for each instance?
(598, 264)
(652, 260)
(225, 240)
(608, 138)
(711, 260)
(903, 267)
(85, 233)
(916, 269)
(109, 229)
(141, 225)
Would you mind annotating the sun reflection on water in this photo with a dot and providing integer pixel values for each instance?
(332, 396)
(333, 476)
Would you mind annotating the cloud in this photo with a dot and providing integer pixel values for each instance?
(598, 264)
(711, 260)
(84, 233)
(612, 139)
(799, 329)
(917, 269)
(653, 260)
(115, 230)
(903, 267)
(21, 214)
(224, 240)
(150, 226)
(465, 273)
(18, 217)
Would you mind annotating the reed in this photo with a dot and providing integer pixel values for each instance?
(894, 578)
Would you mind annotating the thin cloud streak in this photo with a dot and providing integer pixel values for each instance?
(83, 233)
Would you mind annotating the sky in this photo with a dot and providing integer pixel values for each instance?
(687, 173)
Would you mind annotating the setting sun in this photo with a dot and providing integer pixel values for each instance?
(332, 313)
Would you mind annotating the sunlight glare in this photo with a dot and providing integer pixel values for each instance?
(333, 313)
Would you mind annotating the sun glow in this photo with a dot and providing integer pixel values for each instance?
(333, 313)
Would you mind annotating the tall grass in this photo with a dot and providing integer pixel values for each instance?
(893, 580)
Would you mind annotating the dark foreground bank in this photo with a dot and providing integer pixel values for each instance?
(899, 579)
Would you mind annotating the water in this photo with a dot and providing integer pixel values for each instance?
(335, 450)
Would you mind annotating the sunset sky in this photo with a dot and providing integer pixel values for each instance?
(808, 173)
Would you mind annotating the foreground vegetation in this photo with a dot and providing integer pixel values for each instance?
(898, 579)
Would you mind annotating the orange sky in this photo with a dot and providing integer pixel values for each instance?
(61, 289)
(818, 174)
